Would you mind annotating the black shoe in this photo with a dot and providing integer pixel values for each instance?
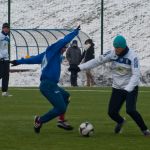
(146, 132)
(37, 124)
(118, 127)
(64, 125)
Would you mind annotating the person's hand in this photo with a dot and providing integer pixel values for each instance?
(14, 63)
(78, 69)
(74, 67)
(79, 27)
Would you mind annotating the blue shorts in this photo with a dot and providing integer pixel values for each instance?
(57, 96)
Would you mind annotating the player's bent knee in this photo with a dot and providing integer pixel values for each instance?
(130, 112)
(68, 96)
(62, 110)
(110, 113)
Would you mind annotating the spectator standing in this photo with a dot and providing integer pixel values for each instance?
(87, 55)
(73, 56)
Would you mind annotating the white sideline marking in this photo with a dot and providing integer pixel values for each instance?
(105, 91)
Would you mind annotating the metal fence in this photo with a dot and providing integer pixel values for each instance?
(28, 42)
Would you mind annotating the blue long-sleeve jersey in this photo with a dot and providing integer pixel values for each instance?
(50, 60)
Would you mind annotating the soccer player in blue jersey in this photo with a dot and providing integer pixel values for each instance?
(50, 61)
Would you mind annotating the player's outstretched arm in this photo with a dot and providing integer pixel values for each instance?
(57, 46)
(69, 37)
(32, 60)
(101, 59)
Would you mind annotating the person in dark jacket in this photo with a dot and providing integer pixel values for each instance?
(87, 55)
(73, 56)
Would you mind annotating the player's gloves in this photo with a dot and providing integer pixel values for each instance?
(79, 27)
(74, 67)
(14, 63)
(78, 69)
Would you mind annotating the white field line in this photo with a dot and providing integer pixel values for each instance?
(105, 91)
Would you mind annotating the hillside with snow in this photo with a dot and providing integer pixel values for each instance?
(130, 18)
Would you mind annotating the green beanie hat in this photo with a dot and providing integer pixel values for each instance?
(119, 42)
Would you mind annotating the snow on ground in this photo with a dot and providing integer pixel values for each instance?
(129, 18)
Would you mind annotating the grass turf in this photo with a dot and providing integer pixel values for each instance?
(87, 104)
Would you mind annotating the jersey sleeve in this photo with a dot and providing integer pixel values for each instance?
(32, 60)
(101, 59)
(1, 38)
(57, 46)
(134, 81)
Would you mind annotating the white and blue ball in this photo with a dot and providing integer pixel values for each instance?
(86, 129)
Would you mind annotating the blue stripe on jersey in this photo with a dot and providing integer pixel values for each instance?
(123, 61)
(135, 62)
(5, 39)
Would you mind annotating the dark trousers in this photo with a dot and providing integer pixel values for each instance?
(117, 99)
(73, 77)
(4, 74)
(74, 74)
(57, 96)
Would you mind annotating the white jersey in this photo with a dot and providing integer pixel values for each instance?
(4, 41)
(125, 70)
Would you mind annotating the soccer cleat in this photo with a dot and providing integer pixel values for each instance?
(146, 132)
(37, 124)
(6, 94)
(118, 127)
(64, 125)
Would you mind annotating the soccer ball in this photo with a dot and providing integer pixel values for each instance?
(86, 129)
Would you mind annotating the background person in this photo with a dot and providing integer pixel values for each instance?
(4, 59)
(73, 56)
(87, 55)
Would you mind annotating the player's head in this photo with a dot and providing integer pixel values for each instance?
(5, 28)
(119, 44)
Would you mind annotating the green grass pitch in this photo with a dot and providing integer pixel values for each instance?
(87, 104)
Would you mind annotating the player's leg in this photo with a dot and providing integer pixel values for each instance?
(62, 122)
(115, 104)
(66, 97)
(131, 101)
(1, 69)
(54, 96)
(5, 79)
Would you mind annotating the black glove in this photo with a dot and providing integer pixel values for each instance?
(79, 27)
(14, 63)
(74, 67)
(78, 69)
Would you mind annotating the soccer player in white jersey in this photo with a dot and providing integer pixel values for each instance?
(126, 76)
